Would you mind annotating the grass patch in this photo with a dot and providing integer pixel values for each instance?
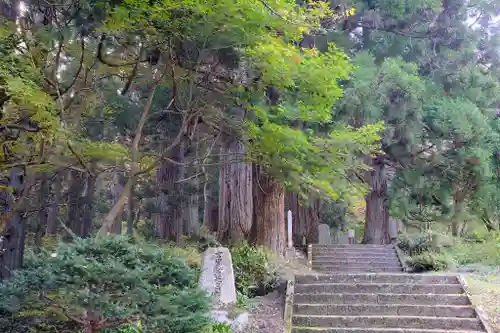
(485, 292)
(485, 252)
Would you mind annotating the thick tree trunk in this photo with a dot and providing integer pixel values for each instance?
(118, 186)
(43, 213)
(377, 206)
(235, 194)
(132, 214)
(210, 209)
(171, 203)
(192, 218)
(178, 197)
(458, 207)
(81, 204)
(210, 199)
(88, 207)
(305, 218)
(165, 177)
(75, 203)
(268, 228)
(53, 207)
(12, 236)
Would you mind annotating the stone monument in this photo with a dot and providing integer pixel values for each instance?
(324, 234)
(393, 229)
(351, 235)
(217, 276)
(217, 279)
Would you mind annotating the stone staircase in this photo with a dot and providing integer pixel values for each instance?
(366, 291)
(355, 258)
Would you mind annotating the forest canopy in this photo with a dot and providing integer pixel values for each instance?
(171, 119)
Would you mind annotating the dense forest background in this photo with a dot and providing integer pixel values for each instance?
(179, 121)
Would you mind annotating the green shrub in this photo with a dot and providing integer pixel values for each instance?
(429, 261)
(475, 237)
(104, 282)
(485, 253)
(189, 253)
(127, 328)
(220, 328)
(252, 272)
(415, 244)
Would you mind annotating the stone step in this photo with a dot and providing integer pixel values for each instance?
(346, 268)
(329, 253)
(353, 249)
(357, 270)
(378, 278)
(373, 330)
(462, 311)
(417, 322)
(356, 256)
(349, 262)
(352, 246)
(393, 299)
(385, 288)
(339, 260)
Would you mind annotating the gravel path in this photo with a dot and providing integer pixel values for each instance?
(266, 315)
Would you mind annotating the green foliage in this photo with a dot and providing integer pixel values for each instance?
(242, 300)
(436, 99)
(127, 328)
(220, 328)
(430, 261)
(486, 252)
(100, 283)
(262, 41)
(416, 244)
(252, 271)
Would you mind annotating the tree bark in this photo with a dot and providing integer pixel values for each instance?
(210, 197)
(74, 203)
(268, 228)
(116, 191)
(171, 201)
(305, 218)
(458, 207)
(53, 208)
(192, 215)
(235, 194)
(377, 206)
(132, 214)
(43, 214)
(88, 206)
(13, 235)
(210, 209)
(178, 197)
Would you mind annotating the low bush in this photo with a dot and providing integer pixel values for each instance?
(475, 237)
(127, 328)
(486, 252)
(189, 253)
(429, 261)
(252, 270)
(415, 244)
(103, 283)
(219, 328)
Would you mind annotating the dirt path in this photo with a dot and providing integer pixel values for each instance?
(266, 314)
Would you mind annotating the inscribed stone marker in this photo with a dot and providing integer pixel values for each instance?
(217, 277)
(351, 235)
(393, 228)
(324, 234)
